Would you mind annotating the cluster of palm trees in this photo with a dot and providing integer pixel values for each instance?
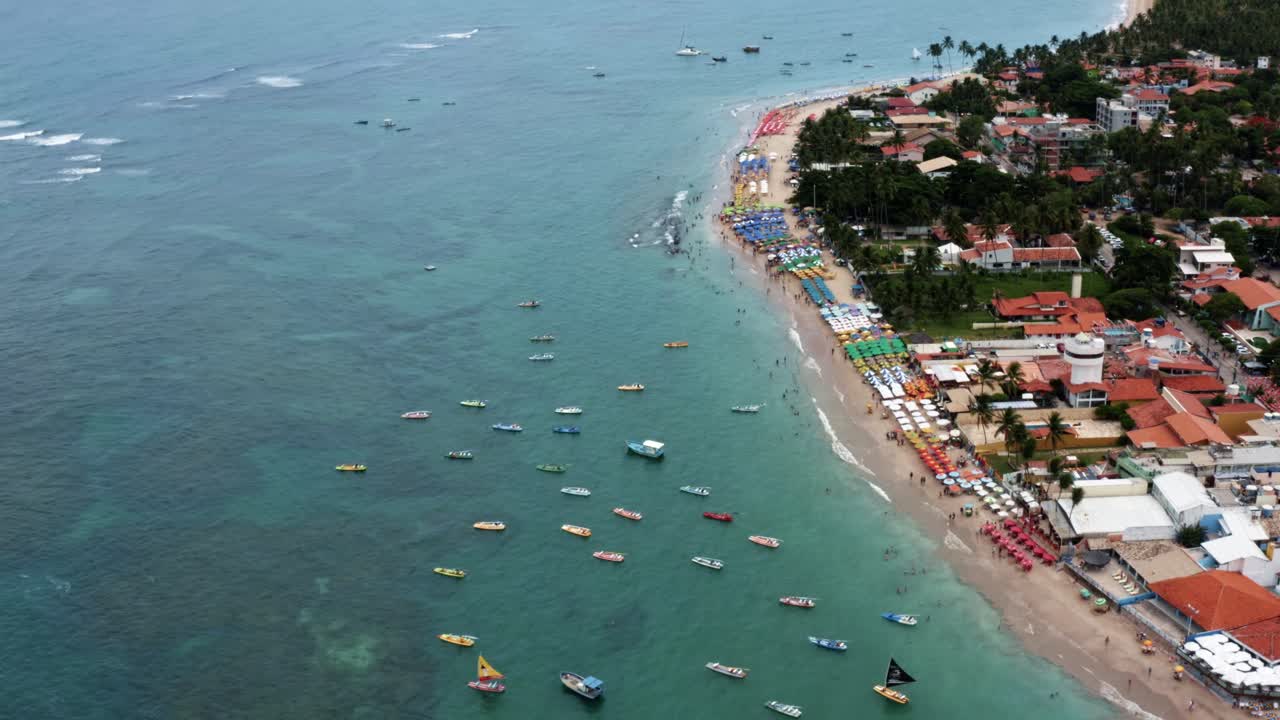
(937, 49)
(1019, 444)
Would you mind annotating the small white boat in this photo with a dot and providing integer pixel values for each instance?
(542, 357)
(733, 672)
(696, 490)
(746, 408)
(578, 491)
(428, 268)
(712, 563)
(687, 50)
(900, 619)
(788, 710)
(416, 415)
(569, 410)
(388, 123)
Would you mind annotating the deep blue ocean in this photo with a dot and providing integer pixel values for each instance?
(213, 293)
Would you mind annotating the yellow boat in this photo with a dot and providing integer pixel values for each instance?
(576, 530)
(463, 640)
(450, 572)
(635, 387)
(893, 677)
(676, 344)
(351, 468)
(893, 695)
(490, 525)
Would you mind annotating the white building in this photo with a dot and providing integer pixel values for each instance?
(1183, 497)
(1196, 259)
(1130, 518)
(1236, 553)
(1115, 115)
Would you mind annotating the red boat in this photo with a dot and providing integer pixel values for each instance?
(722, 517)
(796, 601)
(628, 514)
(489, 686)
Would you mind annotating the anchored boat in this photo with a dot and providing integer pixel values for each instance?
(542, 338)
(609, 556)
(798, 601)
(552, 468)
(490, 525)
(676, 344)
(589, 687)
(473, 403)
(900, 619)
(722, 517)
(633, 387)
(487, 677)
(463, 640)
(651, 449)
(628, 514)
(508, 427)
(837, 645)
(416, 415)
(542, 357)
(893, 677)
(351, 468)
(748, 409)
(696, 490)
(733, 672)
(579, 491)
(788, 710)
(529, 304)
(569, 410)
(712, 563)
(765, 540)
(576, 530)
(460, 455)
(450, 572)
(567, 429)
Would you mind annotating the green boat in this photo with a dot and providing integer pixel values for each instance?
(553, 468)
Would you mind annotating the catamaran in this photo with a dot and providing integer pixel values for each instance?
(687, 50)
(487, 677)
(733, 672)
(893, 677)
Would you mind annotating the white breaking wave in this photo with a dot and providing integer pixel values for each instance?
(954, 542)
(1131, 708)
(133, 172)
(843, 452)
(667, 228)
(418, 46)
(22, 135)
(11, 123)
(199, 96)
(460, 36)
(795, 338)
(102, 141)
(55, 140)
(51, 181)
(85, 158)
(839, 395)
(813, 365)
(80, 171)
(278, 81)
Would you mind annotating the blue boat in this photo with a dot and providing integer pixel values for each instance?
(567, 429)
(508, 427)
(900, 619)
(649, 448)
(837, 645)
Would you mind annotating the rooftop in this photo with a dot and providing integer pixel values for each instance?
(1182, 491)
(1157, 560)
(1114, 515)
(1230, 548)
(1219, 599)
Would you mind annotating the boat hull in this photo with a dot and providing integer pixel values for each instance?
(764, 541)
(450, 572)
(891, 695)
(628, 514)
(490, 525)
(488, 686)
(728, 671)
(574, 683)
(576, 530)
(612, 557)
(461, 640)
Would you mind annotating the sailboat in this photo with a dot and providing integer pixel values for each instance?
(687, 50)
(487, 678)
(894, 676)
(915, 54)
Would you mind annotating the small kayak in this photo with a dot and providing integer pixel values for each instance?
(351, 468)
(798, 601)
(460, 455)
(900, 619)
(567, 429)
(722, 517)
(473, 403)
(578, 491)
(707, 562)
(463, 640)
(490, 525)
(837, 645)
(628, 514)
(416, 415)
(701, 490)
(764, 540)
(450, 572)
(576, 530)
(608, 556)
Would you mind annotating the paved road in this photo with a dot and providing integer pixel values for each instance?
(1227, 362)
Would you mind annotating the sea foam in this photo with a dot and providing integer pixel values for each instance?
(795, 338)
(418, 46)
(84, 158)
(278, 81)
(80, 171)
(55, 140)
(10, 123)
(843, 452)
(22, 135)
(102, 141)
(461, 35)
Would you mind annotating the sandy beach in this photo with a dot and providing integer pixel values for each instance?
(1136, 8)
(1042, 608)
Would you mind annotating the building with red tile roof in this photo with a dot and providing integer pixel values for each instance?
(907, 152)
(1060, 240)
(1219, 600)
(1134, 391)
(1036, 306)
(1046, 257)
(1196, 384)
(900, 102)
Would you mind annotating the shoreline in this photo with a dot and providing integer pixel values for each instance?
(1041, 608)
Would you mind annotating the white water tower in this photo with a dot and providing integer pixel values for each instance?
(1084, 353)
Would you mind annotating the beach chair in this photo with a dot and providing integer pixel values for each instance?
(1118, 576)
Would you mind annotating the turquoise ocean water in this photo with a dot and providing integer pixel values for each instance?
(213, 293)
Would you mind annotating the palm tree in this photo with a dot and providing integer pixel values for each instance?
(1013, 378)
(1065, 481)
(947, 44)
(926, 260)
(990, 228)
(1057, 429)
(983, 412)
(935, 52)
(1008, 425)
(953, 227)
(967, 50)
(1077, 494)
(986, 372)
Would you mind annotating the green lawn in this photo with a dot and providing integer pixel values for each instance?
(1011, 285)
(1001, 464)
